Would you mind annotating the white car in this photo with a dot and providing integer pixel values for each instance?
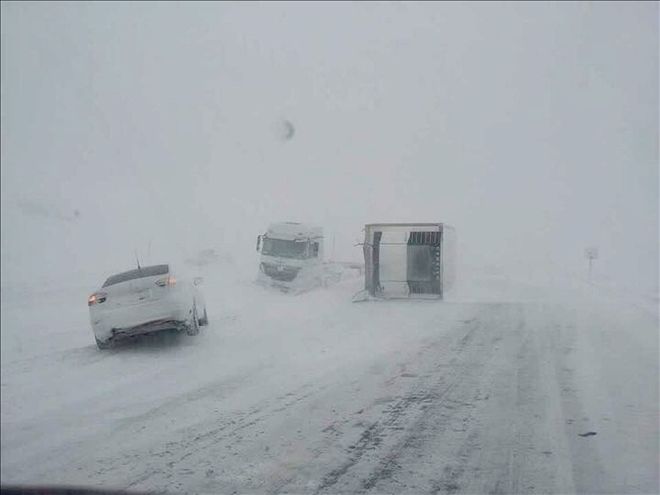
(145, 300)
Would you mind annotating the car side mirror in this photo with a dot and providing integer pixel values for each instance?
(198, 281)
(258, 242)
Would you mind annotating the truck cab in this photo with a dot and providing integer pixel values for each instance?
(291, 256)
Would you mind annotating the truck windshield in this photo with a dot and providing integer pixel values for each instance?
(284, 249)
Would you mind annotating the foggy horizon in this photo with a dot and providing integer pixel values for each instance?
(530, 128)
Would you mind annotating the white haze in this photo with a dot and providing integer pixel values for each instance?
(532, 128)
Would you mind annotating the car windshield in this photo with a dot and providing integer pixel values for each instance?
(147, 271)
(284, 248)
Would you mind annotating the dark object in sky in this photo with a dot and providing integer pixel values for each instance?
(587, 434)
(286, 130)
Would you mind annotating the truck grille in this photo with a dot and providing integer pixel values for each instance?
(282, 273)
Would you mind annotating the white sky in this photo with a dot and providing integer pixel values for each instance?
(531, 127)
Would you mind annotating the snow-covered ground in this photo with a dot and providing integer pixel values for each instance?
(488, 392)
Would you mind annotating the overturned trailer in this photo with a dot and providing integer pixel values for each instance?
(406, 260)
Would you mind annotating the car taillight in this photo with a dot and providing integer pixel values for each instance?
(96, 298)
(169, 281)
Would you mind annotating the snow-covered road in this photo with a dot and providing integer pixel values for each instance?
(501, 392)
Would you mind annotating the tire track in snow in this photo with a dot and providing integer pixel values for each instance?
(194, 441)
(492, 432)
(472, 424)
(394, 419)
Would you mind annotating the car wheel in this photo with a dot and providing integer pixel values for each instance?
(101, 344)
(204, 320)
(193, 326)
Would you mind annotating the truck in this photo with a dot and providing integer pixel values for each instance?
(408, 260)
(292, 258)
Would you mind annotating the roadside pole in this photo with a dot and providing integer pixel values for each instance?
(591, 253)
